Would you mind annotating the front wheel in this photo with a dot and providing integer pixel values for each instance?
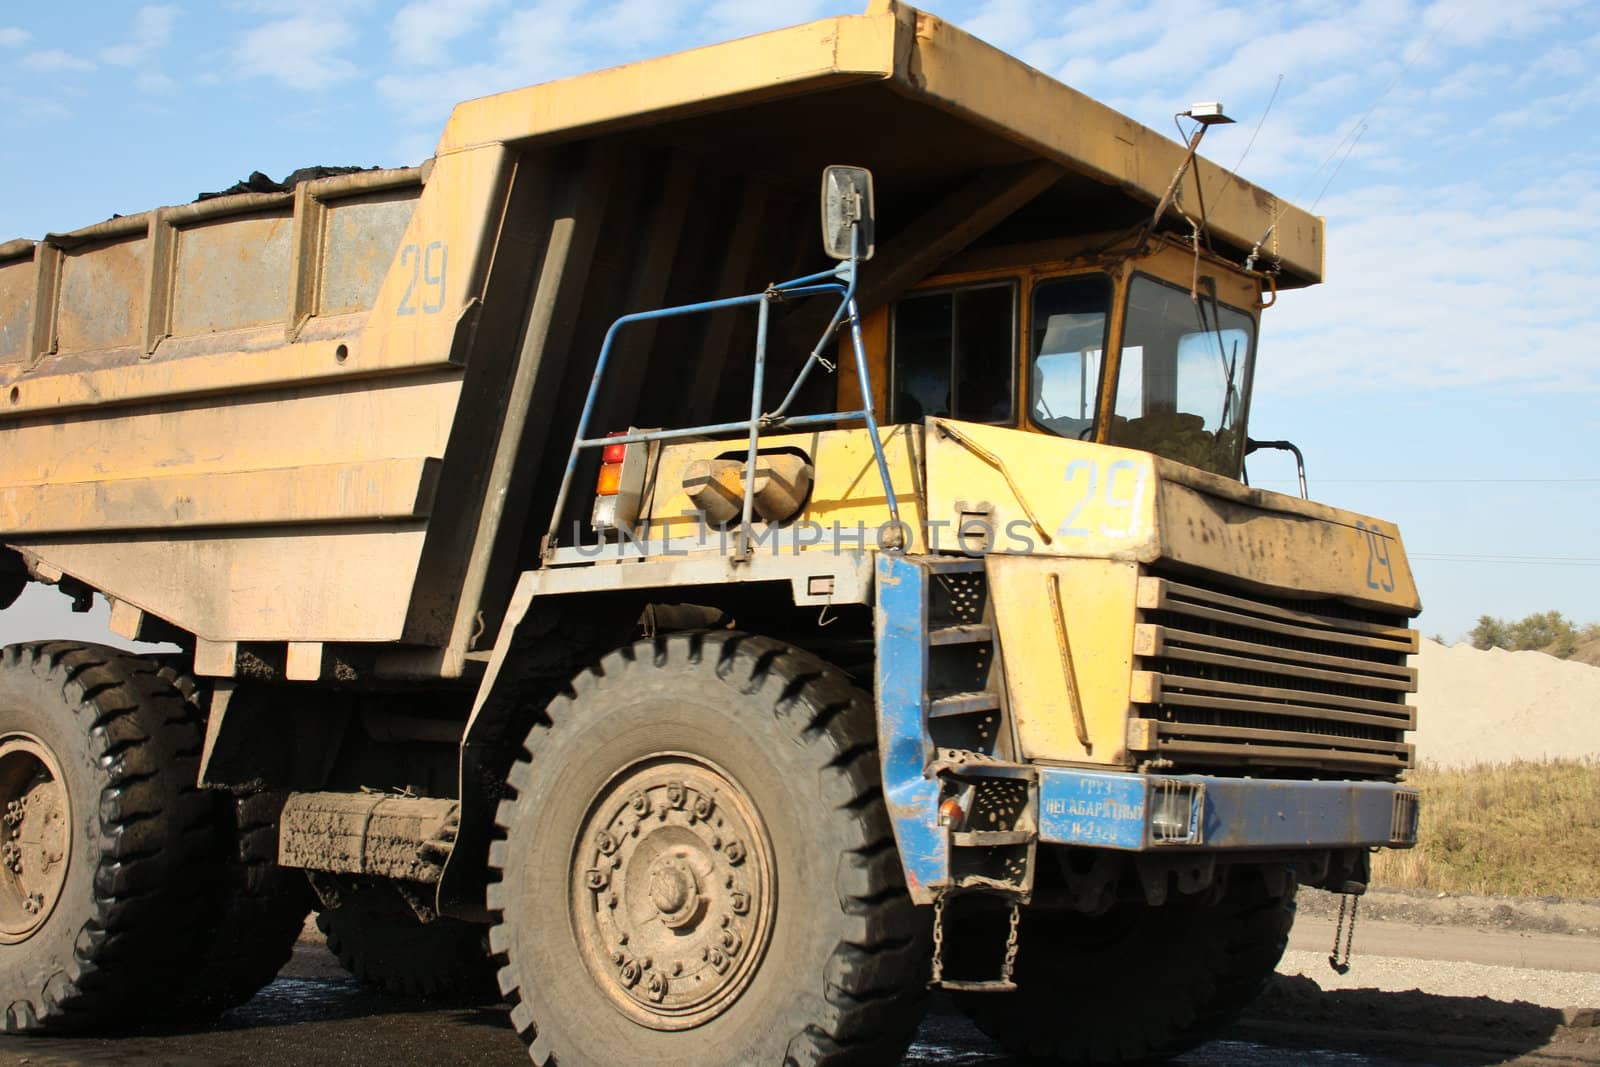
(698, 867)
(379, 939)
(1139, 983)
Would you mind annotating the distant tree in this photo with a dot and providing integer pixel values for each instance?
(1542, 631)
(1490, 633)
(1547, 631)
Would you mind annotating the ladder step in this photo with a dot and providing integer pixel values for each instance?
(992, 986)
(990, 838)
(955, 565)
(970, 634)
(963, 703)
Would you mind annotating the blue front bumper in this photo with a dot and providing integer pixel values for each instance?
(1137, 812)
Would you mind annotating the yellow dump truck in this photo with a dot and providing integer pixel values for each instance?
(590, 582)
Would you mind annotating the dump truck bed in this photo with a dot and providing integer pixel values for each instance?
(332, 418)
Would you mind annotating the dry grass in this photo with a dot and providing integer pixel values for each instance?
(1519, 829)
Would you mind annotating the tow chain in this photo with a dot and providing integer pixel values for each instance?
(1007, 967)
(1349, 934)
(1011, 944)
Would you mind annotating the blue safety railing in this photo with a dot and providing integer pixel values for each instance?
(842, 280)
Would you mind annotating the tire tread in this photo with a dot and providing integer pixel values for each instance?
(872, 990)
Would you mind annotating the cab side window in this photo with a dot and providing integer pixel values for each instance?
(952, 354)
(1068, 342)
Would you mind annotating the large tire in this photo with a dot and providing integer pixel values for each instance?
(1139, 983)
(262, 911)
(107, 889)
(723, 790)
(379, 939)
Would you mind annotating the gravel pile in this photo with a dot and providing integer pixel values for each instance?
(1476, 706)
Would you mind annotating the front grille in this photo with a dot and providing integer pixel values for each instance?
(1234, 680)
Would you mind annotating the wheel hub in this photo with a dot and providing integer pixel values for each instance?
(672, 893)
(35, 835)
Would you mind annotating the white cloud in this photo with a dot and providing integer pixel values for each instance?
(1457, 285)
(300, 52)
(422, 31)
(150, 32)
(1477, 22)
(153, 81)
(53, 60)
(551, 39)
(13, 36)
(739, 18)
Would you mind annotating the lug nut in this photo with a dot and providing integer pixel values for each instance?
(630, 973)
(702, 806)
(658, 988)
(605, 842)
(640, 803)
(735, 852)
(741, 903)
(596, 879)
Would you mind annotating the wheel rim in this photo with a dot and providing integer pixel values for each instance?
(672, 891)
(35, 835)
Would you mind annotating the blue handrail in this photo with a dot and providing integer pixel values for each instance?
(841, 279)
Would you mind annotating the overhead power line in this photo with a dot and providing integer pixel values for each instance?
(1432, 481)
(1516, 561)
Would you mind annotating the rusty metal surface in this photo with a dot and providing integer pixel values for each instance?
(371, 834)
(102, 300)
(231, 272)
(360, 237)
(16, 307)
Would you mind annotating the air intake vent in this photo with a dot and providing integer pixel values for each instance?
(1234, 680)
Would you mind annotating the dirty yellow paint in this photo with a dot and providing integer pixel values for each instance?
(847, 490)
(1097, 611)
(1071, 498)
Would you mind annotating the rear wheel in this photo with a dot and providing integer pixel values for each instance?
(698, 867)
(107, 845)
(260, 913)
(379, 939)
(1138, 983)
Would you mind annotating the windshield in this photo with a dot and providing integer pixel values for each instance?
(1184, 377)
(1067, 343)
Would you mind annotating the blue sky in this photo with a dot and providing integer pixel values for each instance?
(1445, 378)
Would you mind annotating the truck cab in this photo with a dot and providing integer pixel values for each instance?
(1007, 340)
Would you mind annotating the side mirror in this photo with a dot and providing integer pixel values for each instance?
(847, 205)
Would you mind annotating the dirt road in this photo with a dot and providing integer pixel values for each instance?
(1420, 993)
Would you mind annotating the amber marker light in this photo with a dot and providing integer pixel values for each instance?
(950, 813)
